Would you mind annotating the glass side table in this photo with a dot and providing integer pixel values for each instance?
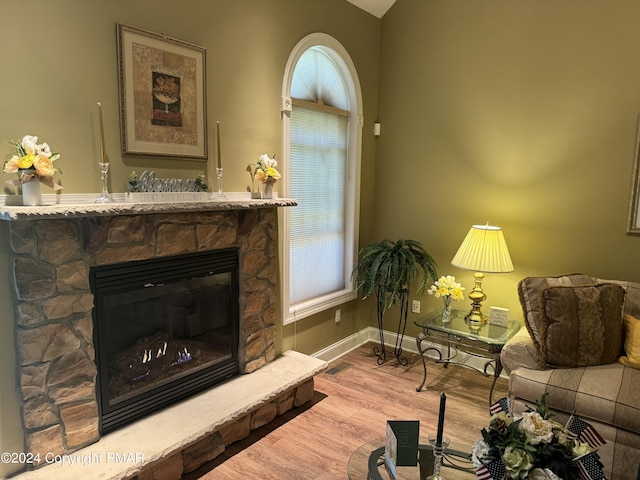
(458, 335)
(367, 463)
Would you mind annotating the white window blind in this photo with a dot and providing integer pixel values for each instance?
(322, 135)
(318, 163)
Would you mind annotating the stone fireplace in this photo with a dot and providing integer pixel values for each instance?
(52, 255)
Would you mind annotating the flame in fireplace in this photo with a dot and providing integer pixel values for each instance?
(150, 354)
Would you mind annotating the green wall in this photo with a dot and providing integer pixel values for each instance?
(62, 59)
(59, 59)
(522, 114)
(52, 80)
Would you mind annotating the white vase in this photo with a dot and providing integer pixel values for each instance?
(31, 194)
(268, 190)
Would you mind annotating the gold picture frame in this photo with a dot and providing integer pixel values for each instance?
(633, 223)
(162, 91)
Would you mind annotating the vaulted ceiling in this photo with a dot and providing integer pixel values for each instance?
(374, 7)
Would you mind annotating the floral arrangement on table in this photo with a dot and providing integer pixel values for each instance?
(534, 447)
(448, 289)
(266, 169)
(32, 161)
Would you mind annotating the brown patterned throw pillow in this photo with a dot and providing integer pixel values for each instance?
(581, 326)
(529, 293)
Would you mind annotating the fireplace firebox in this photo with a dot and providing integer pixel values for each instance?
(164, 329)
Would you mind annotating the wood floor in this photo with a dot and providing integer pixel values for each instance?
(352, 403)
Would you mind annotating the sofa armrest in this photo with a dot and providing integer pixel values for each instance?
(519, 351)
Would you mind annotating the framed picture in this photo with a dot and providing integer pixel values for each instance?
(633, 225)
(162, 96)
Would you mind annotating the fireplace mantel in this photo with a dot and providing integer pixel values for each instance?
(80, 205)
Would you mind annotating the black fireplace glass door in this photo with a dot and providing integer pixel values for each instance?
(165, 329)
(161, 332)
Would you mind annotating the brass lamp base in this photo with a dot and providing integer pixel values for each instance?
(477, 296)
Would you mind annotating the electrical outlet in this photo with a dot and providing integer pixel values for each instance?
(337, 315)
(415, 306)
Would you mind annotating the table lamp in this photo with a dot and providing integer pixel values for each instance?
(483, 250)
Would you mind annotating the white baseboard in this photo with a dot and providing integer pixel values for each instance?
(344, 346)
(370, 334)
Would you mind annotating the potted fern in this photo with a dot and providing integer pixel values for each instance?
(388, 270)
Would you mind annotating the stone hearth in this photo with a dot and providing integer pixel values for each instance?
(52, 250)
(182, 437)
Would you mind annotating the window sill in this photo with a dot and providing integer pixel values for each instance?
(317, 305)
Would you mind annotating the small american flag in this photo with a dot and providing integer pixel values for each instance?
(492, 471)
(590, 467)
(581, 430)
(502, 405)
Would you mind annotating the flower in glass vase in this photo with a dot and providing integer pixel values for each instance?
(33, 161)
(448, 289)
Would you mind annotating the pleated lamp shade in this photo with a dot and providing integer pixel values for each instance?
(484, 250)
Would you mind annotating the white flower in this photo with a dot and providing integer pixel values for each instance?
(479, 451)
(447, 287)
(542, 474)
(580, 448)
(500, 422)
(562, 437)
(517, 462)
(267, 161)
(30, 144)
(537, 429)
(44, 150)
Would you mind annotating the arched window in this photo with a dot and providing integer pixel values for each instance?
(322, 131)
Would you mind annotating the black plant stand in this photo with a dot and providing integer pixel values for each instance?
(380, 352)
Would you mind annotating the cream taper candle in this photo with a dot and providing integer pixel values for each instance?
(218, 143)
(103, 158)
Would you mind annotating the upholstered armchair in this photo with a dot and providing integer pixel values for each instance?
(581, 345)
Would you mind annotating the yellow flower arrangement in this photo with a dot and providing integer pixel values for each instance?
(446, 286)
(266, 169)
(448, 289)
(32, 161)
